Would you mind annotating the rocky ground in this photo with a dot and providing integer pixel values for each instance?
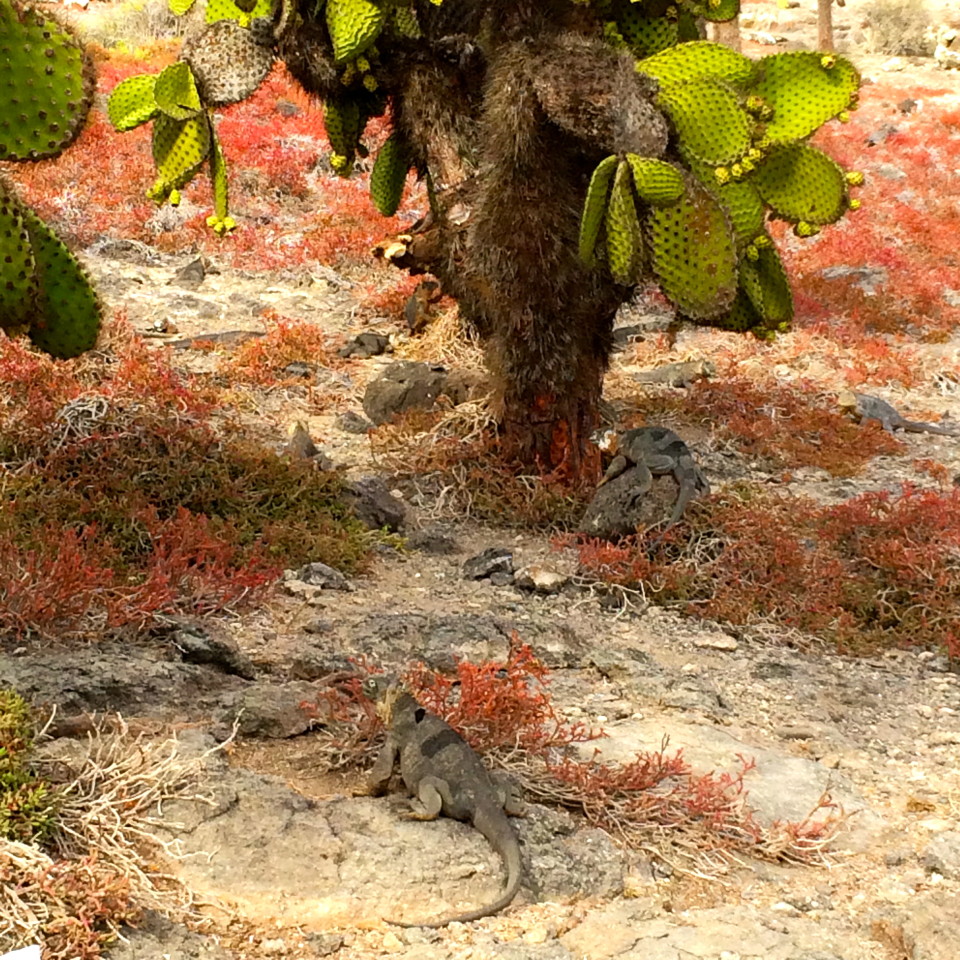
(303, 868)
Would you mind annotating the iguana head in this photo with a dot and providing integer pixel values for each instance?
(606, 440)
(847, 400)
(383, 690)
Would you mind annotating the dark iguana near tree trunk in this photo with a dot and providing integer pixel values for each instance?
(444, 775)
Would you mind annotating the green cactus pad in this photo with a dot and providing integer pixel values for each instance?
(132, 102)
(655, 181)
(717, 10)
(624, 239)
(228, 61)
(694, 253)
(594, 206)
(741, 317)
(645, 36)
(176, 92)
(180, 7)
(698, 60)
(341, 117)
(688, 29)
(405, 23)
(745, 209)
(46, 84)
(765, 283)
(802, 183)
(353, 26)
(389, 176)
(243, 13)
(68, 315)
(218, 174)
(711, 124)
(179, 148)
(803, 93)
(18, 281)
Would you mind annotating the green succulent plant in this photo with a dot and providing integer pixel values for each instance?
(46, 88)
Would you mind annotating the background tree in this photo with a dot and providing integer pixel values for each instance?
(572, 149)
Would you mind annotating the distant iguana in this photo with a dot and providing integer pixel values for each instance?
(866, 408)
(661, 452)
(444, 775)
(681, 374)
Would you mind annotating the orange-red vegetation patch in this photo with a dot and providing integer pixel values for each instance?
(784, 425)
(120, 499)
(876, 571)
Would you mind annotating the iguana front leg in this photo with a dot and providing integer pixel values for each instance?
(617, 466)
(507, 796)
(382, 770)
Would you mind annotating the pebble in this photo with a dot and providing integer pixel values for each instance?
(721, 642)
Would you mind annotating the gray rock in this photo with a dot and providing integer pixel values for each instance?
(889, 172)
(200, 643)
(318, 626)
(628, 503)
(866, 278)
(433, 541)
(321, 575)
(540, 579)
(492, 560)
(364, 345)
(943, 855)
(351, 422)
(927, 927)
(374, 505)
(271, 711)
(500, 578)
(325, 944)
(191, 275)
(404, 385)
(156, 938)
(300, 368)
(951, 297)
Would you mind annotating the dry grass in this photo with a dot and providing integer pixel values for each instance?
(109, 860)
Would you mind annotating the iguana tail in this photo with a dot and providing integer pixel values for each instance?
(492, 822)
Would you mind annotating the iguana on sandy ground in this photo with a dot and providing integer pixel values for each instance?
(444, 775)
(681, 374)
(661, 452)
(866, 408)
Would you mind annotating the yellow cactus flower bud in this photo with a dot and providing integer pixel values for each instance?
(855, 178)
(174, 198)
(752, 252)
(363, 64)
(736, 171)
(855, 204)
(843, 116)
(722, 174)
(828, 61)
(762, 240)
(804, 229)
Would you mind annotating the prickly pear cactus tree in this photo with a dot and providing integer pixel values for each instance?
(46, 88)
(572, 148)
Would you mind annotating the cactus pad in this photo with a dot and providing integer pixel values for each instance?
(132, 102)
(18, 283)
(179, 148)
(802, 183)
(712, 126)
(764, 281)
(228, 61)
(644, 35)
(803, 93)
(698, 60)
(745, 209)
(694, 253)
(655, 181)
(46, 82)
(68, 315)
(389, 175)
(242, 12)
(176, 92)
(624, 240)
(341, 117)
(180, 7)
(594, 206)
(353, 26)
(717, 10)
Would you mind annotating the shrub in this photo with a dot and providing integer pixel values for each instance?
(899, 27)
(28, 803)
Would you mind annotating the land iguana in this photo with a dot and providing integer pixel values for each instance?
(661, 452)
(444, 775)
(681, 374)
(866, 408)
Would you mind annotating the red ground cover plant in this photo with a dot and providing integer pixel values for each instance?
(122, 497)
(878, 570)
(504, 709)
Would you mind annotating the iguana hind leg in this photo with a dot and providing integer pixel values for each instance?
(507, 796)
(431, 793)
